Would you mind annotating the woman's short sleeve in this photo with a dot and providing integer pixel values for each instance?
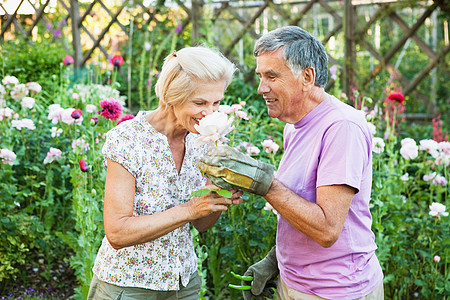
(120, 147)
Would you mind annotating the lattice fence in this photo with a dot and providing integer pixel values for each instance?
(380, 35)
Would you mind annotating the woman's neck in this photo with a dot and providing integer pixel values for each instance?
(165, 122)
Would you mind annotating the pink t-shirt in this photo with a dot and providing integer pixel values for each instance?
(331, 145)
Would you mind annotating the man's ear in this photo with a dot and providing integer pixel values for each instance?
(309, 77)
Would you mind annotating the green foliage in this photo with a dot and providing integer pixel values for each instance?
(31, 61)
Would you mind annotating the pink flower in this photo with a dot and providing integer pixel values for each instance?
(125, 118)
(52, 155)
(117, 60)
(179, 28)
(333, 71)
(75, 96)
(80, 144)
(397, 97)
(76, 114)
(242, 114)
(270, 146)
(112, 109)
(68, 60)
(437, 258)
(83, 165)
(226, 109)
(8, 157)
(34, 87)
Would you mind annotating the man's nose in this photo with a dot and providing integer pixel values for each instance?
(263, 88)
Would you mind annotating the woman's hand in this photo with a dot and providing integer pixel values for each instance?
(212, 202)
(205, 211)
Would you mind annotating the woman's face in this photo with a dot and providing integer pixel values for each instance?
(204, 101)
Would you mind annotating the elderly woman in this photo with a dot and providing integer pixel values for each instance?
(152, 170)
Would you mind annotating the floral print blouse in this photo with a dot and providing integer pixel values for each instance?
(145, 153)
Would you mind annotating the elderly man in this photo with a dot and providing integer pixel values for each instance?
(325, 247)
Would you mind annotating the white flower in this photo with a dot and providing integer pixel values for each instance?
(7, 156)
(270, 146)
(409, 149)
(24, 123)
(54, 114)
(34, 87)
(437, 210)
(408, 141)
(66, 117)
(444, 147)
(428, 177)
(213, 128)
(28, 102)
(2, 91)
(372, 128)
(75, 96)
(404, 177)
(52, 155)
(6, 113)
(253, 150)
(442, 159)
(378, 145)
(90, 108)
(430, 146)
(19, 91)
(56, 131)
(10, 80)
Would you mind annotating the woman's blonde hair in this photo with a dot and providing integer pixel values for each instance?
(183, 69)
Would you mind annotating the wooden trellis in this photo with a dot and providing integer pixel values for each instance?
(244, 20)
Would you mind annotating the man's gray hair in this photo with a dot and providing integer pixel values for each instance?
(301, 50)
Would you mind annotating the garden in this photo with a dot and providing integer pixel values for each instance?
(54, 114)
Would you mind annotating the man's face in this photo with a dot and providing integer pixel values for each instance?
(282, 91)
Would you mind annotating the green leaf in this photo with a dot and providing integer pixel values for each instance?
(200, 193)
(224, 193)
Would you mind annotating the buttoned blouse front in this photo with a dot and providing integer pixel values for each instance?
(145, 153)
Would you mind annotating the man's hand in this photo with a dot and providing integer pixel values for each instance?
(264, 275)
(231, 169)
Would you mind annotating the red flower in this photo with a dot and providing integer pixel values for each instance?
(125, 118)
(68, 60)
(117, 60)
(76, 114)
(398, 97)
(83, 165)
(112, 109)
